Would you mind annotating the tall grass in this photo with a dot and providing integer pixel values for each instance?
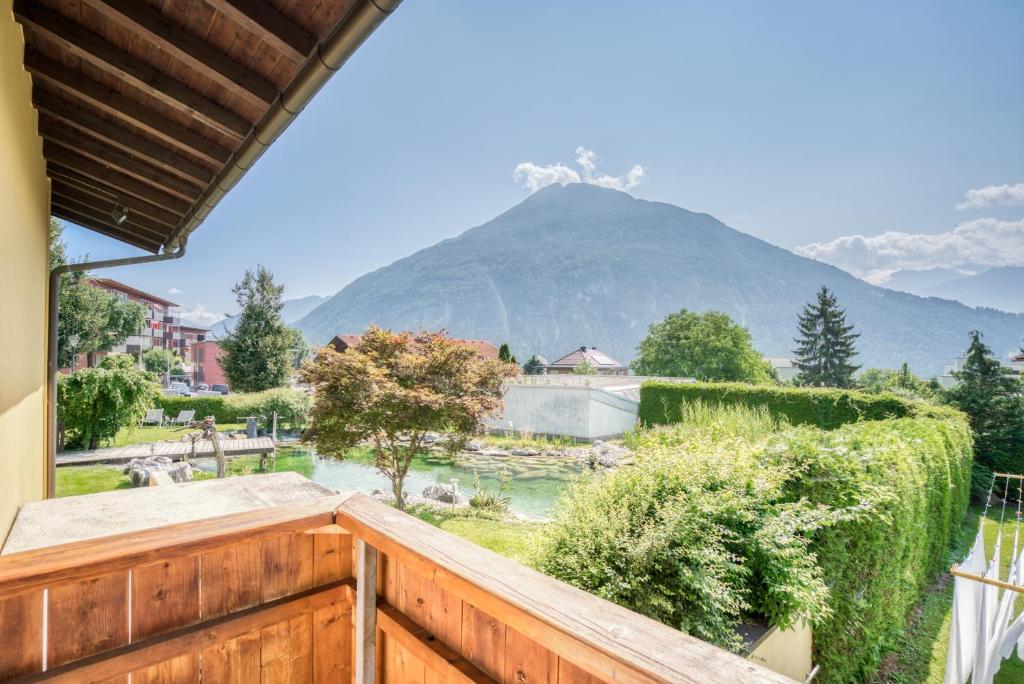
(713, 420)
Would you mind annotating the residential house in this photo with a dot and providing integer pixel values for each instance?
(484, 349)
(133, 118)
(785, 367)
(598, 360)
(1014, 366)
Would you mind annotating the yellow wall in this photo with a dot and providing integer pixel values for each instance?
(24, 231)
(787, 652)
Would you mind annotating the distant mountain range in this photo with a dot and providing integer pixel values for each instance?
(582, 265)
(998, 288)
(292, 310)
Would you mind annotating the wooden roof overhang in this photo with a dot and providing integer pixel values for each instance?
(151, 110)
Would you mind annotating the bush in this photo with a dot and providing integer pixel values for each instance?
(726, 516)
(661, 403)
(292, 406)
(94, 404)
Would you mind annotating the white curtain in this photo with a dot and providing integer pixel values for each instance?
(964, 628)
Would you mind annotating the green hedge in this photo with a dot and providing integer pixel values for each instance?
(292, 406)
(908, 480)
(661, 402)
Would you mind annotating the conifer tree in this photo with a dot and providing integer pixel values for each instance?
(504, 353)
(826, 344)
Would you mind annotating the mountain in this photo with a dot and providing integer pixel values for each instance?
(918, 282)
(291, 311)
(998, 288)
(582, 265)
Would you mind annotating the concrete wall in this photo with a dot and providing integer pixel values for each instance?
(568, 410)
(787, 652)
(24, 232)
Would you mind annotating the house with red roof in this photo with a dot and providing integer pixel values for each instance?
(598, 360)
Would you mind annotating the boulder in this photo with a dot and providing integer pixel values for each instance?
(473, 445)
(525, 452)
(141, 470)
(441, 492)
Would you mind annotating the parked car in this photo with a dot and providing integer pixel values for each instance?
(177, 389)
(202, 386)
(223, 389)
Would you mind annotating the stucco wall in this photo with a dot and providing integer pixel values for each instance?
(24, 231)
(571, 411)
(787, 652)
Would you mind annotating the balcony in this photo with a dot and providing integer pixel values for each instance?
(331, 589)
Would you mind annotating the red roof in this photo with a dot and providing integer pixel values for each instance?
(484, 349)
(1018, 358)
(116, 286)
(591, 355)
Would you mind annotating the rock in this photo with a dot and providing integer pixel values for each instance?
(430, 437)
(473, 446)
(525, 452)
(494, 453)
(442, 493)
(141, 470)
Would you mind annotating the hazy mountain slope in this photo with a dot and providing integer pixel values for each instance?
(999, 288)
(584, 265)
(291, 311)
(918, 282)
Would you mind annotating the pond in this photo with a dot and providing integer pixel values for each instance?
(534, 484)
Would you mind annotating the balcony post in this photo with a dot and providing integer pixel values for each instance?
(366, 613)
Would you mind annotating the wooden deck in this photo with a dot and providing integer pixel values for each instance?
(174, 450)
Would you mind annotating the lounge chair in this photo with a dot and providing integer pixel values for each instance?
(153, 416)
(184, 418)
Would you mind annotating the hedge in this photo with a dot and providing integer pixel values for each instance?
(292, 406)
(660, 403)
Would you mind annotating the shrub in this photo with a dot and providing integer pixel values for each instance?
(93, 404)
(292, 406)
(662, 403)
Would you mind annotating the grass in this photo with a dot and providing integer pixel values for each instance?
(527, 440)
(918, 655)
(155, 433)
(511, 538)
(75, 480)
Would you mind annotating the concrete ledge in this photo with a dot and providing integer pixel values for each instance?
(76, 518)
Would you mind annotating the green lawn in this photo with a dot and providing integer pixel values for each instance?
(512, 538)
(154, 433)
(919, 654)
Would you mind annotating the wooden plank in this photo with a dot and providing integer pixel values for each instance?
(135, 226)
(124, 108)
(106, 192)
(268, 23)
(76, 39)
(332, 644)
(402, 667)
(87, 617)
(483, 640)
(430, 606)
(130, 166)
(149, 24)
(189, 639)
(104, 227)
(287, 561)
(22, 621)
(75, 199)
(21, 572)
(235, 661)
(332, 555)
(365, 614)
(286, 651)
(183, 669)
(120, 137)
(570, 674)
(125, 184)
(231, 578)
(165, 596)
(527, 662)
(617, 644)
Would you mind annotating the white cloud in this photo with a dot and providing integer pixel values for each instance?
(201, 316)
(174, 291)
(535, 176)
(992, 195)
(981, 242)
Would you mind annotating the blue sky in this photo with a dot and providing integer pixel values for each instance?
(806, 124)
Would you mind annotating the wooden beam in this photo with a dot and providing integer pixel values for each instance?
(120, 137)
(268, 23)
(126, 659)
(77, 141)
(96, 220)
(100, 227)
(93, 48)
(72, 199)
(101, 190)
(149, 24)
(124, 108)
(366, 613)
(126, 185)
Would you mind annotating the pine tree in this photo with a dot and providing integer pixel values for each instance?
(504, 353)
(535, 365)
(992, 399)
(259, 352)
(826, 344)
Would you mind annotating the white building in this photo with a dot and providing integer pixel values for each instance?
(1015, 367)
(785, 367)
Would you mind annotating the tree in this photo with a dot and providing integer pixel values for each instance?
(505, 354)
(94, 404)
(826, 344)
(392, 389)
(902, 382)
(994, 404)
(705, 346)
(90, 319)
(258, 354)
(584, 368)
(162, 361)
(535, 365)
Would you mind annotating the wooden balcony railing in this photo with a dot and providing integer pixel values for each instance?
(283, 594)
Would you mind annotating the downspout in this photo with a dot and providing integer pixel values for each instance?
(329, 57)
(51, 345)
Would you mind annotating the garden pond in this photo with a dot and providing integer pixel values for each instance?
(533, 483)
